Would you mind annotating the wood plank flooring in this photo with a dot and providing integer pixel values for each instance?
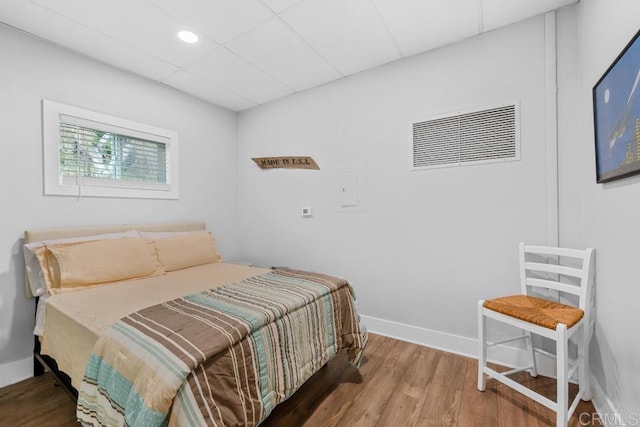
(398, 384)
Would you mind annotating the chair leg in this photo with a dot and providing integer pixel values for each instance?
(532, 355)
(482, 346)
(562, 380)
(584, 375)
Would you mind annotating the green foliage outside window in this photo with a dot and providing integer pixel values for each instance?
(86, 152)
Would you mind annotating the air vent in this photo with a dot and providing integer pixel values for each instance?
(481, 136)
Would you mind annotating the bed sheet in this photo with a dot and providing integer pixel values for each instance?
(75, 320)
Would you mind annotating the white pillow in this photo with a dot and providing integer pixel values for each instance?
(34, 269)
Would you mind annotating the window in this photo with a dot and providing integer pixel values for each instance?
(93, 154)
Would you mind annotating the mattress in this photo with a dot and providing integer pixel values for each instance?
(75, 320)
(152, 348)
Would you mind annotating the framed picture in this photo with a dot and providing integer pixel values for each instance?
(616, 113)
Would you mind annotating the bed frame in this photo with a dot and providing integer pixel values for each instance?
(43, 363)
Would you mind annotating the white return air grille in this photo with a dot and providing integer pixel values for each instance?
(482, 136)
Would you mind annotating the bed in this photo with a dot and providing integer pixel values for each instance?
(151, 327)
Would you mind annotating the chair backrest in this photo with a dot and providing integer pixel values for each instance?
(569, 271)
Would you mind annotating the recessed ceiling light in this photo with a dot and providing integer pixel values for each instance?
(188, 36)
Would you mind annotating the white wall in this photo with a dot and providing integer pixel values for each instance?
(425, 246)
(604, 215)
(429, 243)
(32, 70)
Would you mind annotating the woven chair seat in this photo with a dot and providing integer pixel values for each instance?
(539, 311)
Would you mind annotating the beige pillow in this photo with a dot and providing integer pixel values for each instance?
(89, 263)
(35, 261)
(187, 250)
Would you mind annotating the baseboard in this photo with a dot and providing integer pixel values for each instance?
(606, 411)
(427, 337)
(13, 372)
(465, 346)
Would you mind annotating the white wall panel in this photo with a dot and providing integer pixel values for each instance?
(603, 215)
(429, 243)
(32, 70)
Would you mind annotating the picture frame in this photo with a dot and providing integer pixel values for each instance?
(616, 114)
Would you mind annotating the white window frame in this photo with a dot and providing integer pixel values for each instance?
(55, 184)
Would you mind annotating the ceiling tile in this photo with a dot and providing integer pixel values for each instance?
(58, 29)
(419, 25)
(497, 13)
(227, 70)
(280, 52)
(271, 48)
(199, 88)
(280, 5)
(118, 54)
(222, 20)
(135, 23)
(349, 34)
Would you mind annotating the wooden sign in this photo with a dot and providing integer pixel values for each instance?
(286, 162)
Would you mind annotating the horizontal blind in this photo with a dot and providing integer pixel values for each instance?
(93, 153)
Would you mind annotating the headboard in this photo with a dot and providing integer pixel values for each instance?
(62, 233)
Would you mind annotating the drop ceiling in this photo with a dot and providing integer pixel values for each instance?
(252, 52)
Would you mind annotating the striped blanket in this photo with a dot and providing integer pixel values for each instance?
(225, 356)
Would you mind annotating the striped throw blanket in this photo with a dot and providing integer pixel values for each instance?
(225, 356)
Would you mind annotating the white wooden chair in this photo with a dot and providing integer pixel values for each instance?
(547, 274)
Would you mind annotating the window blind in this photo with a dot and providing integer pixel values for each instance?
(93, 154)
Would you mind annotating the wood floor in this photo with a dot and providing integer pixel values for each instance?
(398, 384)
